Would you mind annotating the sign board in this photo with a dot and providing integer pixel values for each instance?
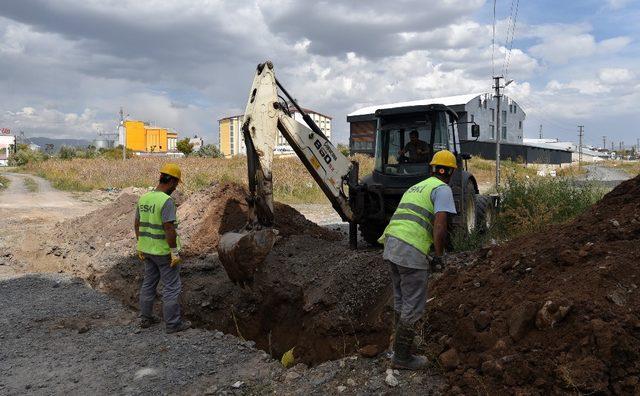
(5, 131)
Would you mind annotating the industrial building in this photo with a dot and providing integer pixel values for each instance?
(231, 141)
(143, 138)
(480, 109)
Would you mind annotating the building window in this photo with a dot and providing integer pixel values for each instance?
(493, 115)
(472, 118)
(519, 124)
(504, 133)
(479, 102)
(493, 132)
(485, 103)
(504, 116)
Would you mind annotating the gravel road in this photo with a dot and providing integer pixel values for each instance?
(59, 336)
(604, 175)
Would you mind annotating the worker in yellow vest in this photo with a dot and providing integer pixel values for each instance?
(159, 247)
(415, 236)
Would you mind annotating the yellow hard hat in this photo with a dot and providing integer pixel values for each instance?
(171, 170)
(444, 158)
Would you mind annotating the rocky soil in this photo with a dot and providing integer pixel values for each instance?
(554, 312)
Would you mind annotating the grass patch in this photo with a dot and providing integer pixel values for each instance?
(291, 182)
(31, 184)
(531, 205)
(631, 167)
(4, 182)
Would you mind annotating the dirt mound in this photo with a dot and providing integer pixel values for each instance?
(553, 312)
(107, 233)
(206, 215)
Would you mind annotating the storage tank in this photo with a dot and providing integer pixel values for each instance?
(103, 144)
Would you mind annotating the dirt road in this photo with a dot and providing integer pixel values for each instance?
(26, 218)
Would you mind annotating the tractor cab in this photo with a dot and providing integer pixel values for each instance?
(407, 138)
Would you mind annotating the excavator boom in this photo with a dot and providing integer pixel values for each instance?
(242, 252)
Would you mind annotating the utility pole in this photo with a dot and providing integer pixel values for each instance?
(604, 142)
(612, 148)
(580, 135)
(540, 131)
(498, 96)
(124, 135)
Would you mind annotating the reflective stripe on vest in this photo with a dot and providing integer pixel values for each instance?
(152, 238)
(413, 220)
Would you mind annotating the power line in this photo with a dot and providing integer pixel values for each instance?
(493, 41)
(513, 34)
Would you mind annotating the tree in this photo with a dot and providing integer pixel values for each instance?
(184, 146)
(209, 151)
(344, 149)
(67, 152)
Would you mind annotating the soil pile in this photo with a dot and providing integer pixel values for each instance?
(208, 214)
(107, 234)
(553, 312)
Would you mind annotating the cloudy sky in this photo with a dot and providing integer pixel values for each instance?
(68, 65)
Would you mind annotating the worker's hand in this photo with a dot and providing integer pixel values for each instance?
(401, 152)
(140, 255)
(175, 257)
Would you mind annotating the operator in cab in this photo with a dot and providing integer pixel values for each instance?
(416, 149)
(415, 239)
(159, 248)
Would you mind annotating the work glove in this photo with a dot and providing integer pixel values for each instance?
(175, 257)
(140, 255)
(437, 263)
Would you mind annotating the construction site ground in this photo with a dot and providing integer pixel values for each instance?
(65, 329)
(548, 313)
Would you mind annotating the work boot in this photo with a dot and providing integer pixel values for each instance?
(148, 321)
(402, 357)
(388, 354)
(182, 326)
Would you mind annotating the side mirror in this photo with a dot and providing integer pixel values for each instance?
(475, 130)
(465, 156)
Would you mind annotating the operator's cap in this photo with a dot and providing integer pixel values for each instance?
(171, 169)
(444, 158)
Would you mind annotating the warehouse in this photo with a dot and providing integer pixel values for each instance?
(478, 109)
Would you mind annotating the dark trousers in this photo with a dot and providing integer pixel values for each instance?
(409, 292)
(158, 268)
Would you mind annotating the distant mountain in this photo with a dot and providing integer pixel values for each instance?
(57, 143)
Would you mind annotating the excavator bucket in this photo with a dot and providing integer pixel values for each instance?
(242, 253)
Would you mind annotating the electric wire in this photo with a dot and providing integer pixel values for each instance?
(493, 41)
(513, 33)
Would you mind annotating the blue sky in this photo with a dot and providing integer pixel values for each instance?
(69, 65)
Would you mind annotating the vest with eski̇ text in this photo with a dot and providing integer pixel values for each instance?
(413, 220)
(152, 239)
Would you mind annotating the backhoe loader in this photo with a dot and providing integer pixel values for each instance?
(366, 203)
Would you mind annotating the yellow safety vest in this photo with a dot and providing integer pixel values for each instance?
(152, 239)
(413, 220)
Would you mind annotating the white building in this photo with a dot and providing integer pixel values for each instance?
(196, 142)
(7, 143)
(231, 139)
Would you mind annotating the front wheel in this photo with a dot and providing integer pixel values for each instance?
(371, 232)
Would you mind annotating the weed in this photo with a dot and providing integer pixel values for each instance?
(4, 182)
(30, 184)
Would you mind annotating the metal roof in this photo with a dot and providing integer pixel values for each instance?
(447, 101)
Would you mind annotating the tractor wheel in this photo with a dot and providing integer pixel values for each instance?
(485, 213)
(371, 232)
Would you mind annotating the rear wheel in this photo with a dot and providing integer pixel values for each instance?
(463, 224)
(371, 232)
(485, 212)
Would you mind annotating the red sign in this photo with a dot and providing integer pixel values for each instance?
(5, 131)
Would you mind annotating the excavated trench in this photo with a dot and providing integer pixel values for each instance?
(312, 293)
(325, 309)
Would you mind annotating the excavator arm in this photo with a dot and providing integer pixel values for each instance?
(265, 115)
(242, 252)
